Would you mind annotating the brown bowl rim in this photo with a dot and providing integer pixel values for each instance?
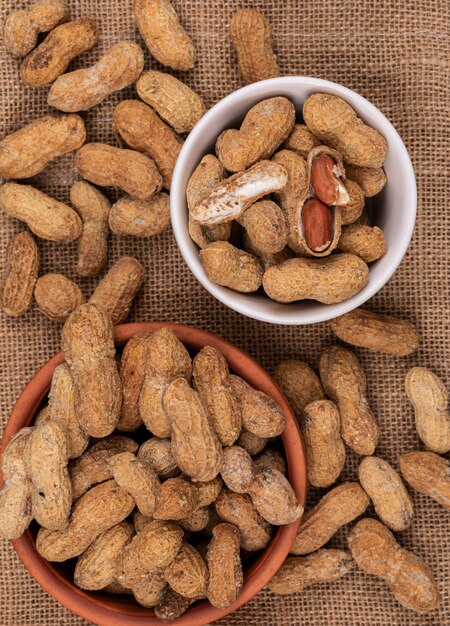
(106, 610)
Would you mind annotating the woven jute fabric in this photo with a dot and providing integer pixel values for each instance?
(396, 54)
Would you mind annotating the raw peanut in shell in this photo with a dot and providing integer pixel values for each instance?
(265, 127)
(94, 209)
(209, 491)
(238, 509)
(45, 217)
(132, 372)
(118, 288)
(299, 383)
(211, 380)
(335, 123)
(93, 467)
(176, 498)
(382, 333)
(344, 382)
(386, 490)
(196, 521)
(22, 27)
(376, 552)
(427, 473)
(299, 573)
(140, 218)
(128, 170)
(101, 508)
(149, 592)
(187, 574)
(266, 227)
(301, 140)
(274, 498)
(371, 180)
(252, 39)
(429, 397)
(165, 360)
(355, 207)
(224, 564)
(251, 442)
(96, 568)
(15, 496)
(172, 605)
(22, 267)
(338, 507)
(238, 471)
(142, 129)
(157, 452)
(271, 458)
(152, 550)
(138, 478)
(88, 344)
(231, 267)
(174, 101)
(45, 456)
(261, 415)
(81, 90)
(329, 280)
(62, 409)
(325, 450)
(29, 150)
(195, 446)
(57, 296)
(165, 37)
(365, 241)
(52, 57)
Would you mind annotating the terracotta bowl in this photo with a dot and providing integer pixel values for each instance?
(120, 610)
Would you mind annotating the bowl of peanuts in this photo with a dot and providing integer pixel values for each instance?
(105, 509)
(293, 200)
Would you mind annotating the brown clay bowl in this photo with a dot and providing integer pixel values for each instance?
(117, 610)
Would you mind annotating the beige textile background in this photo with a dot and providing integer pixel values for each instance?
(395, 53)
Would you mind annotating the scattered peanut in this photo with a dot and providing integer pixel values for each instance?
(56, 296)
(140, 218)
(22, 266)
(427, 473)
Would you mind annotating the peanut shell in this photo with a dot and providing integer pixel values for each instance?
(301, 140)
(176, 499)
(365, 241)
(427, 473)
(187, 574)
(231, 267)
(371, 180)
(224, 565)
(132, 373)
(299, 383)
(22, 267)
(238, 509)
(140, 218)
(261, 415)
(138, 478)
(274, 498)
(57, 296)
(149, 592)
(158, 454)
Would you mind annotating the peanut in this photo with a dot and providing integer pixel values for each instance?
(386, 490)
(231, 267)
(266, 227)
(382, 333)
(101, 508)
(365, 241)
(370, 180)
(327, 180)
(196, 521)
(410, 579)
(92, 467)
(335, 123)
(224, 565)
(329, 280)
(52, 57)
(211, 380)
(94, 209)
(132, 373)
(96, 568)
(271, 458)
(344, 382)
(238, 509)
(252, 39)
(157, 452)
(165, 37)
(88, 346)
(338, 507)
(118, 288)
(301, 140)
(45, 217)
(187, 574)
(22, 27)
(317, 225)
(325, 449)
(83, 89)
(238, 470)
(56, 296)
(142, 129)
(29, 150)
(165, 360)
(299, 573)
(149, 592)
(172, 605)
(138, 478)
(429, 397)
(427, 473)
(354, 209)
(195, 446)
(274, 498)
(128, 170)
(261, 415)
(251, 442)
(299, 383)
(176, 499)
(265, 127)
(16, 495)
(140, 218)
(209, 491)
(174, 101)
(46, 454)
(22, 267)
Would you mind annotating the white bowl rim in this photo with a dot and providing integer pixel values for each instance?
(178, 203)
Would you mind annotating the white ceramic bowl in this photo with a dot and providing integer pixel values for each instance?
(394, 210)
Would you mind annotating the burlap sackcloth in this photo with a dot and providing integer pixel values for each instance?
(396, 54)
